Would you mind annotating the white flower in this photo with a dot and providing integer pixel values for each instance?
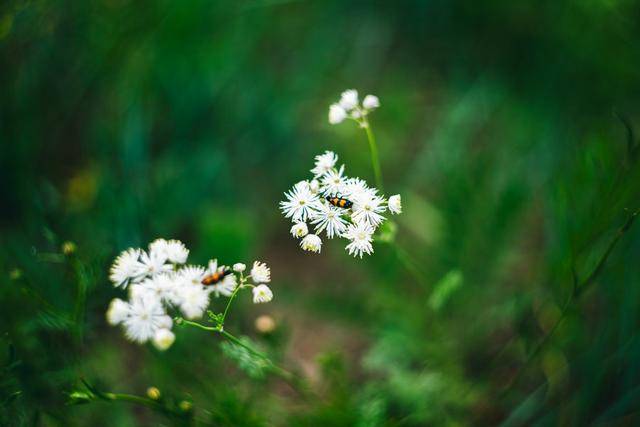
(324, 163)
(173, 251)
(117, 312)
(154, 263)
(311, 243)
(163, 287)
(260, 273)
(395, 204)
(127, 268)
(361, 236)
(262, 293)
(194, 300)
(368, 208)
(349, 99)
(239, 267)
(336, 114)
(370, 102)
(355, 187)
(299, 229)
(329, 218)
(226, 285)
(333, 181)
(300, 203)
(190, 275)
(146, 316)
(163, 339)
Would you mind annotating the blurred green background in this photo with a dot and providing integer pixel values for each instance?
(506, 126)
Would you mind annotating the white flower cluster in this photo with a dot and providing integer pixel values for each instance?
(349, 107)
(159, 281)
(338, 205)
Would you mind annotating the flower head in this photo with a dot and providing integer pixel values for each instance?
(260, 273)
(173, 251)
(194, 300)
(370, 102)
(349, 99)
(324, 163)
(333, 181)
(239, 267)
(163, 339)
(311, 243)
(117, 312)
(329, 218)
(261, 294)
(336, 114)
(361, 236)
(368, 208)
(395, 204)
(299, 229)
(300, 203)
(146, 316)
(127, 268)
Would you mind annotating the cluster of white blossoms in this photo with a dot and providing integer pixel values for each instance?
(349, 107)
(158, 282)
(337, 205)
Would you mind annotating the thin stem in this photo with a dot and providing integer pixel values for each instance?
(239, 342)
(134, 399)
(231, 298)
(375, 160)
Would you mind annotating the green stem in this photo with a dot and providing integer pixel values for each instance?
(134, 399)
(231, 298)
(375, 160)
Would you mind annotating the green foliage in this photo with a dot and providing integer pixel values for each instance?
(509, 128)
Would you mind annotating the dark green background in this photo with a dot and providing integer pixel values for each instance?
(502, 125)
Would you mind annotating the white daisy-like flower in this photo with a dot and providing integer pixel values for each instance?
(239, 267)
(226, 285)
(336, 114)
(329, 218)
(190, 275)
(154, 263)
(260, 273)
(370, 102)
(174, 251)
(311, 243)
(360, 235)
(395, 204)
(299, 229)
(127, 268)
(300, 203)
(349, 99)
(164, 287)
(368, 208)
(356, 187)
(194, 300)
(146, 316)
(262, 294)
(333, 181)
(324, 163)
(163, 339)
(118, 311)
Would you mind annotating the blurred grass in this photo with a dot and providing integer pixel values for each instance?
(124, 121)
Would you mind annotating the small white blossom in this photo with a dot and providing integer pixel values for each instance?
(370, 102)
(368, 208)
(333, 181)
(395, 204)
(190, 275)
(300, 203)
(260, 273)
(146, 316)
(311, 243)
(329, 218)
(154, 263)
(336, 114)
(163, 339)
(239, 267)
(117, 312)
(194, 300)
(163, 287)
(349, 99)
(127, 268)
(261, 294)
(314, 186)
(299, 229)
(324, 163)
(173, 251)
(360, 235)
